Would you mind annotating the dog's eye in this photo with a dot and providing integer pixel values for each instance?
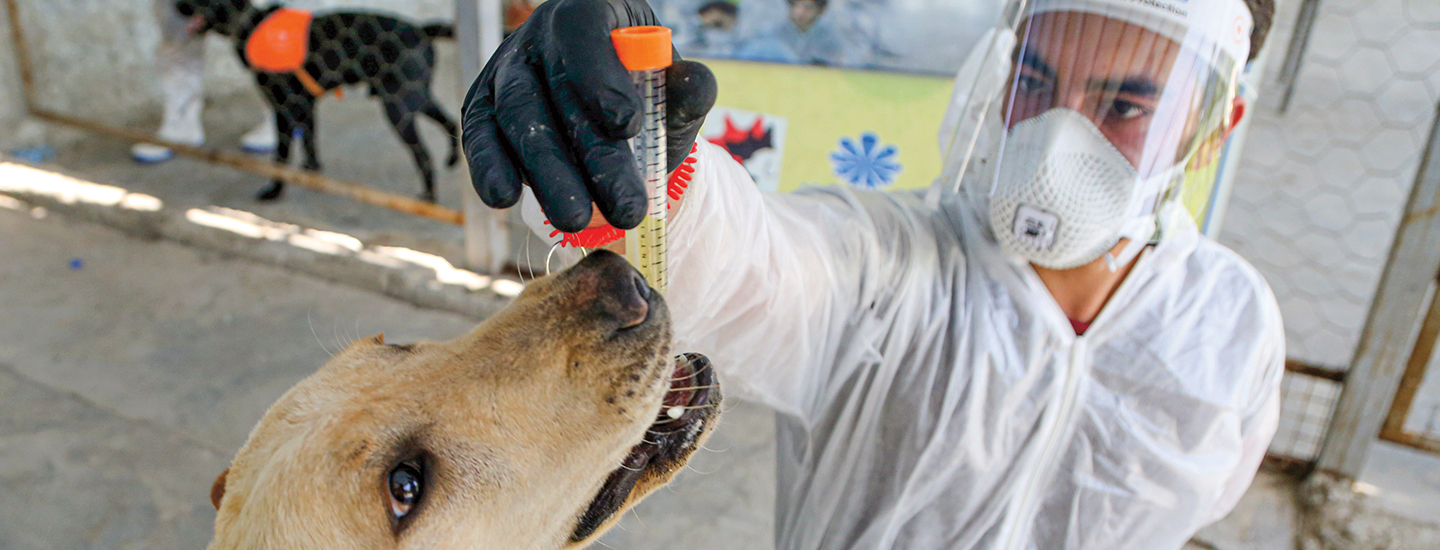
(406, 486)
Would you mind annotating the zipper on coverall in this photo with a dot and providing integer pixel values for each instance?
(1022, 509)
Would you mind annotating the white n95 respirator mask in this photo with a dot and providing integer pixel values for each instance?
(1064, 195)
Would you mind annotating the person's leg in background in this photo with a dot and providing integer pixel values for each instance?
(181, 61)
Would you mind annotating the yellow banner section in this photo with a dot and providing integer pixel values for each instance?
(821, 106)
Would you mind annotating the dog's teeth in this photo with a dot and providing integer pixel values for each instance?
(675, 412)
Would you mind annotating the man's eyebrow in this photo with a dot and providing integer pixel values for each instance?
(1135, 85)
(1030, 59)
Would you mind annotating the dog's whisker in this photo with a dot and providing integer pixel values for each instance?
(711, 406)
(529, 263)
(712, 386)
(639, 519)
(310, 322)
(602, 543)
(520, 271)
(622, 466)
(687, 377)
(716, 451)
(695, 373)
(335, 334)
(696, 470)
(551, 255)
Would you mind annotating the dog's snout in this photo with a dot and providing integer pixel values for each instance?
(622, 292)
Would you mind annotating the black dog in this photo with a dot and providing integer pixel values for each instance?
(394, 57)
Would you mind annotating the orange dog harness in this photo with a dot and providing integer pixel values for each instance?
(280, 43)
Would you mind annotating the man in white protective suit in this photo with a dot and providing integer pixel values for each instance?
(1040, 353)
(181, 62)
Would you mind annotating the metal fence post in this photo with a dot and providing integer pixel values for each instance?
(478, 29)
(1404, 295)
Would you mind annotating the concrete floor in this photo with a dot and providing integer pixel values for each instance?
(1404, 481)
(131, 370)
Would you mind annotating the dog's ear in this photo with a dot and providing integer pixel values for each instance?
(217, 491)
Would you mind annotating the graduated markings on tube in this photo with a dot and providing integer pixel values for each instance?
(646, 52)
(648, 253)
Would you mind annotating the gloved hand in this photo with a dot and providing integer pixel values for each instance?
(553, 109)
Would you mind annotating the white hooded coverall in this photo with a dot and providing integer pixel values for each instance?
(932, 395)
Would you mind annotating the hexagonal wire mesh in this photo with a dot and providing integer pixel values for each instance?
(390, 59)
(300, 58)
(1321, 187)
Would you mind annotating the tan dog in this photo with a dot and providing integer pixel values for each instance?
(535, 431)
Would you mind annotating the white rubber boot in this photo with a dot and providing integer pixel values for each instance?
(261, 139)
(182, 68)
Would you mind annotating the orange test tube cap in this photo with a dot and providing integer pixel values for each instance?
(643, 48)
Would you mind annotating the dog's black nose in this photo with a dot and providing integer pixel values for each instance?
(621, 291)
(641, 285)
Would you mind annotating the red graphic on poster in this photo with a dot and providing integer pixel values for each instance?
(742, 144)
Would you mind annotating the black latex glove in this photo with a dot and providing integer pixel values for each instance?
(553, 109)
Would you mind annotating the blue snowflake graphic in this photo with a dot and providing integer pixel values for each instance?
(868, 164)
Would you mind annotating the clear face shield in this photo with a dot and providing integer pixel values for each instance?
(1080, 118)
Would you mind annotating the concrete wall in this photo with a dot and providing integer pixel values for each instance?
(96, 59)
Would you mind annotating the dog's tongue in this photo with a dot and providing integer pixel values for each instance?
(690, 386)
(682, 384)
(195, 24)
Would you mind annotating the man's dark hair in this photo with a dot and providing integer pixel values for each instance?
(1263, 12)
(818, 3)
(725, 7)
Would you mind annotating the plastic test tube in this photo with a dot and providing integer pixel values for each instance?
(646, 53)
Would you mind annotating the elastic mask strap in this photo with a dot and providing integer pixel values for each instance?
(1140, 229)
(1131, 250)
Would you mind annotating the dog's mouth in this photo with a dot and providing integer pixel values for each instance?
(686, 413)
